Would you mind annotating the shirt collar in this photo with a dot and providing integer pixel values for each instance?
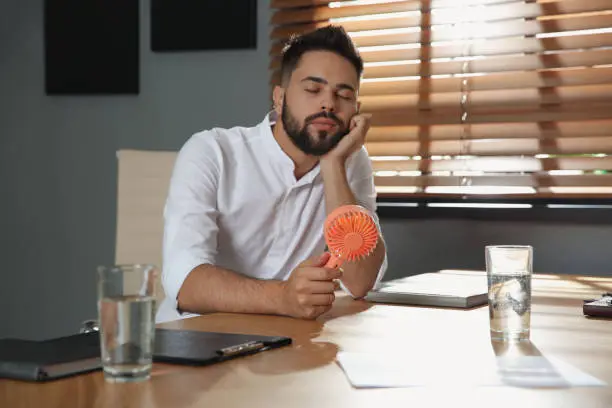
(272, 147)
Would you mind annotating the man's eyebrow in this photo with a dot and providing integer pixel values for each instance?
(323, 81)
(315, 79)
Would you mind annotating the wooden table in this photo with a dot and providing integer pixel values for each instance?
(307, 375)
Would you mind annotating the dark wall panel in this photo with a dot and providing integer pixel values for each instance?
(91, 46)
(190, 25)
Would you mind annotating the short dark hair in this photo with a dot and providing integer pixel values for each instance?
(329, 38)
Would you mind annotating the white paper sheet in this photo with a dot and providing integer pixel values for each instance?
(371, 370)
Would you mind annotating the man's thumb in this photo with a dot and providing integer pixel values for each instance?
(317, 261)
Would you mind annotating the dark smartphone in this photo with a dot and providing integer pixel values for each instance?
(598, 307)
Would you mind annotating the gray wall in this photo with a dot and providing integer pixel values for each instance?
(57, 159)
(565, 241)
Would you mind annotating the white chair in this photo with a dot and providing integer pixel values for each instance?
(143, 181)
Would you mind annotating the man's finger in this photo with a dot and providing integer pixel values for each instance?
(322, 286)
(316, 261)
(322, 274)
(362, 119)
(321, 299)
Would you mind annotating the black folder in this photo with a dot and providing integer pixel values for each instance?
(80, 353)
(203, 348)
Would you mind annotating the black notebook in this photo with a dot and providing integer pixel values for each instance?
(50, 359)
(66, 356)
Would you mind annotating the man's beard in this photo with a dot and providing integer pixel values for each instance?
(318, 145)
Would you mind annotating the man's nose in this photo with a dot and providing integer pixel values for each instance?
(328, 103)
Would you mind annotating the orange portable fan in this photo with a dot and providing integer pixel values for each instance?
(350, 233)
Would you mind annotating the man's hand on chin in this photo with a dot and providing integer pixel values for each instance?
(353, 141)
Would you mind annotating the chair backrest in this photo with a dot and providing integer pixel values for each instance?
(143, 181)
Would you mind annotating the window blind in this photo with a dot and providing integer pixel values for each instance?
(499, 98)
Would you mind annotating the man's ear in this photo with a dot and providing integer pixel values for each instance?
(278, 95)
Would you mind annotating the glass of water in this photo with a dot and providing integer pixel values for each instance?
(509, 270)
(126, 303)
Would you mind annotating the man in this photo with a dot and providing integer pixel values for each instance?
(246, 206)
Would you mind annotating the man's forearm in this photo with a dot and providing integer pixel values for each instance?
(209, 288)
(358, 277)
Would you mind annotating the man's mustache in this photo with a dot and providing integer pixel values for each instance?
(324, 114)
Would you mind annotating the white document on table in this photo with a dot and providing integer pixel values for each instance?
(374, 370)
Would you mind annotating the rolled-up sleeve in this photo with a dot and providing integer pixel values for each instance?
(190, 215)
(361, 181)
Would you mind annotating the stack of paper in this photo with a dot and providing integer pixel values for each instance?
(368, 370)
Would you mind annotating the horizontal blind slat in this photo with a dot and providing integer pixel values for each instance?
(582, 128)
(513, 80)
(453, 116)
(532, 180)
(496, 164)
(280, 4)
(522, 146)
(532, 97)
(493, 64)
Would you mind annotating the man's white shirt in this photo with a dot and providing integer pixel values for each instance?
(234, 202)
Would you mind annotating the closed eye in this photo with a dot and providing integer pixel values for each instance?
(347, 96)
